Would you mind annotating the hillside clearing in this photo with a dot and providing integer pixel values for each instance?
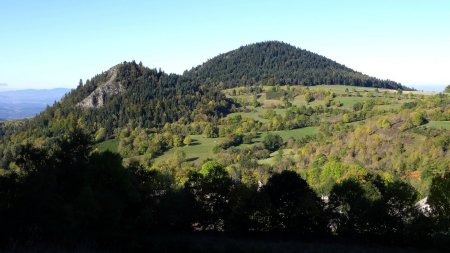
(108, 145)
(200, 149)
(439, 124)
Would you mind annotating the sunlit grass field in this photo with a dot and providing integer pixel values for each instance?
(108, 145)
(439, 124)
(200, 149)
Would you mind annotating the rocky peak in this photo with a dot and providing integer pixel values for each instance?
(100, 95)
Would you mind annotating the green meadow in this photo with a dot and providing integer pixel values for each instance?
(439, 124)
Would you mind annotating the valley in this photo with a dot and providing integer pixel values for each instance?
(225, 126)
(267, 139)
(21, 104)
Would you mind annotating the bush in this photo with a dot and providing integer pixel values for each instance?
(230, 141)
(357, 106)
(272, 142)
(248, 138)
(419, 119)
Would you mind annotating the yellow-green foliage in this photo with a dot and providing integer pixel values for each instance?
(323, 177)
(393, 145)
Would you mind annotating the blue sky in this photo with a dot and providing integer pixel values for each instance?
(45, 44)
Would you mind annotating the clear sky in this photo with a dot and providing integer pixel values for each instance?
(45, 44)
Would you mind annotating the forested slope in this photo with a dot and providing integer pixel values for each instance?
(276, 62)
(150, 99)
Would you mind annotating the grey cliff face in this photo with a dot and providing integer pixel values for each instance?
(100, 96)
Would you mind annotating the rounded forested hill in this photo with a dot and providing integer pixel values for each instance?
(132, 93)
(274, 62)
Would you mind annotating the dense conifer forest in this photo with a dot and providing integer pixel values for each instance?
(276, 62)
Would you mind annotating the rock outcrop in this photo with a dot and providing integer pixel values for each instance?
(100, 96)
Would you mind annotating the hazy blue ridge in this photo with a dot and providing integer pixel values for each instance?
(19, 104)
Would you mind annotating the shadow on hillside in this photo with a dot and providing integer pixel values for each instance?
(191, 159)
(194, 142)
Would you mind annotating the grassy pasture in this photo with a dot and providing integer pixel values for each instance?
(286, 134)
(200, 149)
(255, 114)
(272, 159)
(439, 124)
(108, 145)
(340, 89)
(347, 99)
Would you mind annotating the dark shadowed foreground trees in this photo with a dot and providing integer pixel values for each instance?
(69, 193)
(293, 206)
(439, 201)
(210, 189)
(375, 209)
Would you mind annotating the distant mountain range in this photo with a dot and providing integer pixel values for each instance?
(19, 104)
